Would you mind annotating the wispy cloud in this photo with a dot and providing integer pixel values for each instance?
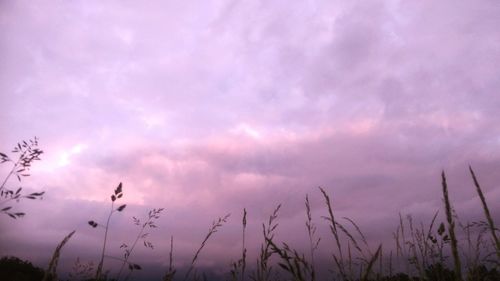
(206, 107)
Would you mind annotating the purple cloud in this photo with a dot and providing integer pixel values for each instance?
(205, 108)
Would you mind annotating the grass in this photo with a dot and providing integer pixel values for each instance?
(50, 273)
(211, 231)
(487, 214)
(433, 251)
(118, 193)
(27, 153)
(451, 230)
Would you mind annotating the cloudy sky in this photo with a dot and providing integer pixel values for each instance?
(207, 107)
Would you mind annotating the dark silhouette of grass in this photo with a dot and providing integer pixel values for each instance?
(118, 193)
(424, 250)
(487, 214)
(451, 230)
(238, 268)
(28, 152)
(211, 231)
(51, 272)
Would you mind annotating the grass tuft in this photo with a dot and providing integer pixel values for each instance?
(491, 224)
(51, 272)
(451, 230)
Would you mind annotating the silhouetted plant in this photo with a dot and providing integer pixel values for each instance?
(264, 269)
(451, 230)
(422, 248)
(28, 152)
(291, 261)
(439, 272)
(339, 260)
(81, 270)
(487, 214)
(481, 273)
(51, 272)
(170, 274)
(211, 231)
(118, 193)
(371, 263)
(313, 242)
(153, 215)
(238, 267)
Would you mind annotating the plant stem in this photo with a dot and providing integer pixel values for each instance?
(170, 254)
(131, 249)
(451, 225)
(99, 268)
(11, 172)
(491, 224)
(243, 249)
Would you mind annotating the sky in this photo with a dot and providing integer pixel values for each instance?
(208, 107)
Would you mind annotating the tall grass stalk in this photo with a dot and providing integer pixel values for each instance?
(169, 276)
(117, 195)
(358, 230)
(51, 272)
(412, 248)
(292, 262)
(152, 215)
(263, 270)
(101, 261)
(238, 268)
(403, 239)
(491, 224)
(339, 261)
(243, 248)
(451, 228)
(313, 242)
(371, 263)
(213, 229)
(429, 249)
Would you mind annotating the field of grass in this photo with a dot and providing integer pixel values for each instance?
(448, 250)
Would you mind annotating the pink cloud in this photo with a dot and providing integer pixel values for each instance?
(205, 108)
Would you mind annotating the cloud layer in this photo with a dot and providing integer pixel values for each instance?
(207, 107)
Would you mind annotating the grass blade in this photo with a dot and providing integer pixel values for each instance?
(50, 273)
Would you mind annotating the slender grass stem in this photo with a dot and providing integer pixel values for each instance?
(101, 262)
(491, 224)
(451, 226)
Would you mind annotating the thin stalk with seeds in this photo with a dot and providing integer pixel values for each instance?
(152, 215)
(238, 267)
(358, 229)
(169, 276)
(313, 243)
(413, 247)
(403, 239)
(117, 195)
(491, 224)
(51, 272)
(371, 263)
(213, 229)
(349, 259)
(263, 270)
(101, 261)
(429, 237)
(333, 228)
(381, 268)
(293, 262)
(243, 249)
(451, 227)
